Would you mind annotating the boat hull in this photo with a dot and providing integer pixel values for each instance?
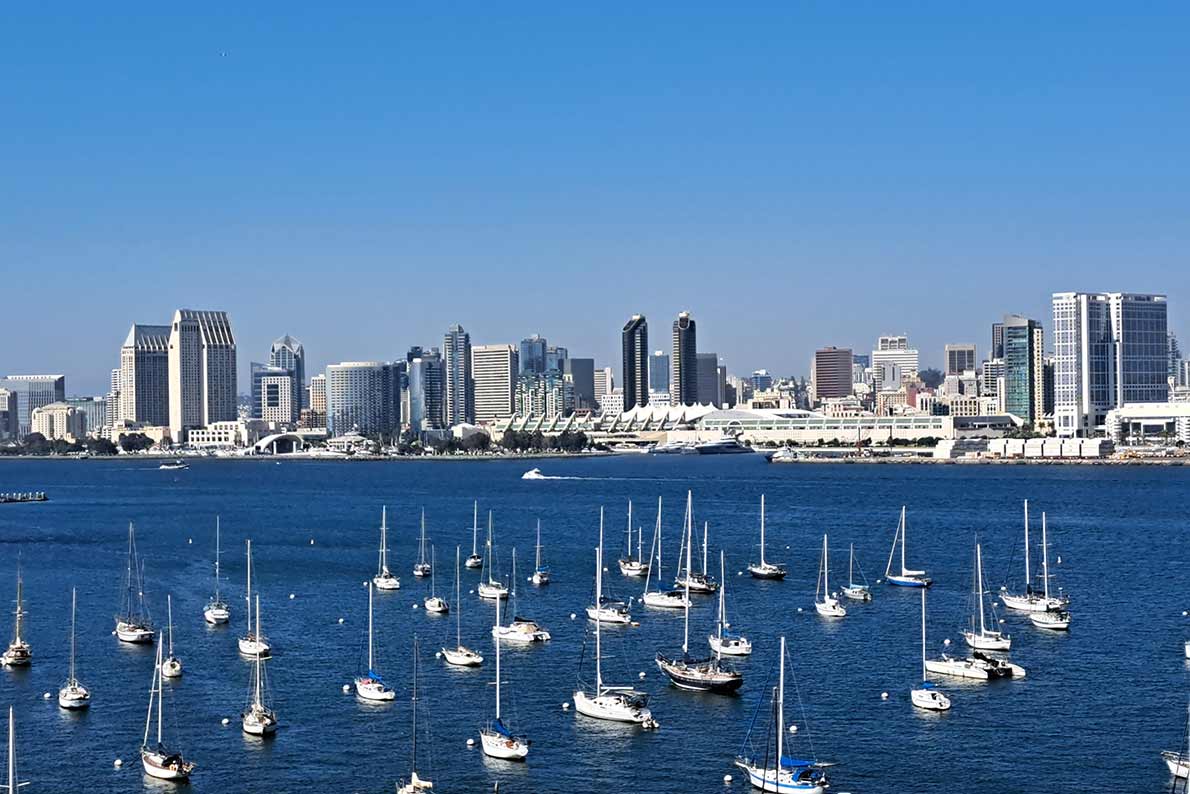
(216, 615)
(611, 707)
(134, 634)
(734, 646)
(474, 561)
(700, 676)
(987, 642)
(518, 632)
(373, 691)
(767, 571)
(1030, 603)
(1177, 764)
(74, 698)
(830, 608)
(436, 606)
(462, 657)
(17, 655)
(1054, 621)
(492, 591)
(606, 615)
(929, 700)
(171, 668)
(698, 584)
(665, 600)
(540, 578)
(252, 648)
(857, 593)
(908, 581)
(783, 782)
(386, 582)
(634, 568)
(497, 745)
(165, 767)
(258, 723)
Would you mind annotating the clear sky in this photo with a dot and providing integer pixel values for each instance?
(796, 174)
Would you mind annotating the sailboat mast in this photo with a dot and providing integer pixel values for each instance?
(433, 572)
(537, 555)
(474, 526)
(903, 539)
(1028, 581)
(152, 689)
(383, 539)
(781, 712)
(73, 605)
(689, 543)
(628, 536)
(722, 606)
(169, 606)
(923, 634)
(826, 569)
(497, 662)
(256, 695)
(217, 558)
(20, 613)
(370, 664)
(249, 596)
(979, 585)
(422, 548)
(12, 752)
(704, 547)
(762, 529)
(487, 550)
(598, 604)
(458, 602)
(851, 565)
(160, 693)
(1045, 559)
(413, 701)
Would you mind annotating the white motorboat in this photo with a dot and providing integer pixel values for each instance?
(541, 572)
(1177, 763)
(460, 655)
(172, 666)
(384, 580)
(907, 576)
(765, 569)
(781, 773)
(73, 695)
(630, 564)
(176, 465)
(927, 696)
(977, 634)
(978, 666)
(475, 560)
(854, 590)
(724, 641)
(422, 567)
(785, 455)
(1030, 600)
(258, 719)
(670, 448)
(370, 685)
(18, 653)
(725, 445)
(662, 599)
(433, 603)
(133, 624)
(489, 586)
(533, 474)
(158, 760)
(216, 611)
(612, 703)
(519, 629)
(497, 740)
(251, 644)
(825, 602)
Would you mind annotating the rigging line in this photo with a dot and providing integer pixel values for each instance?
(800, 706)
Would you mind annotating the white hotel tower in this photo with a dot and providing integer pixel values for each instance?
(202, 371)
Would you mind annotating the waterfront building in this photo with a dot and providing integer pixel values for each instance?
(581, 373)
(8, 415)
(259, 401)
(113, 395)
(830, 373)
(959, 359)
(362, 396)
(1158, 422)
(658, 373)
(289, 354)
(144, 375)
(276, 401)
(893, 350)
(531, 356)
(683, 363)
(1110, 349)
(202, 371)
(58, 420)
(1183, 379)
(33, 391)
(494, 369)
(94, 412)
(634, 341)
(1023, 371)
(459, 384)
(234, 434)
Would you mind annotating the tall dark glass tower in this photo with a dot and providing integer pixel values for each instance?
(635, 338)
(683, 364)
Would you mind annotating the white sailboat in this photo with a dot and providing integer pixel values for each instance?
(73, 695)
(13, 785)
(258, 719)
(172, 666)
(217, 612)
(825, 602)
(854, 590)
(1030, 600)
(158, 760)
(460, 655)
(18, 654)
(133, 624)
(497, 740)
(541, 572)
(699, 581)
(519, 629)
(416, 784)
(686, 672)
(384, 578)
(907, 577)
(612, 703)
(927, 696)
(977, 634)
(630, 564)
(370, 686)
(422, 567)
(434, 604)
(475, 560)
(765, 569)
(490, 587)
(663, 599)
(724, 641)
(252, 644)
(606, 610)
(1177, 763)
(1056, 618)
(781, 773)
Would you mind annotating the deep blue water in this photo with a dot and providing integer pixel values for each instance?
(1097, 707)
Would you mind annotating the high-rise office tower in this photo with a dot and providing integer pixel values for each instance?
(33, 391)
(532, 354)
(604, 383)
(270, 403)
(708, 379)
(830, 373)
(202, 371)
(893, 355)
(581, 373)
(8, 415)
(659, 372)
(960, 359)
(460, 387)
(494, 369)
(426, 378)
(288, 353)
(635, 347)
(683, 362)
(113, 395)
(144, 375)
(760, 380)
(1024, 357)
(318, 394)
(1175, 356)
(362, 396)
(997, 340)
(1110, 349)
(555, 358)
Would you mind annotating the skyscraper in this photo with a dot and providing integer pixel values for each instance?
(893, 355)
(289, 354)
(362, 396)
(8, 414)
(202, 371)
(708, 379)
(532, 354)
(1024, 357)
(830, 373)
(1109, 349)
(144, 375)
(460, 387)
(997, 340)
(270, 403)
(581, 372)
(604, 383)
(659, 372)
(960, 359)
(635, 345)
(683, 363)
(494, 368)
(33, 391)
(1175, 356)
(426, 379)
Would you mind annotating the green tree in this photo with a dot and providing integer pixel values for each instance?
(35, 444)
(135, 442)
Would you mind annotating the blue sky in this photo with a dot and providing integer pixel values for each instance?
(796, 174)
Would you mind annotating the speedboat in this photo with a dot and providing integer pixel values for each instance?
(785, 455)
(533, 474)
(174, 466)
(727, 445)
(669, 448)
(521, 630)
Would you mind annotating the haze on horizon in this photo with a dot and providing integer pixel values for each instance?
(796, 175)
